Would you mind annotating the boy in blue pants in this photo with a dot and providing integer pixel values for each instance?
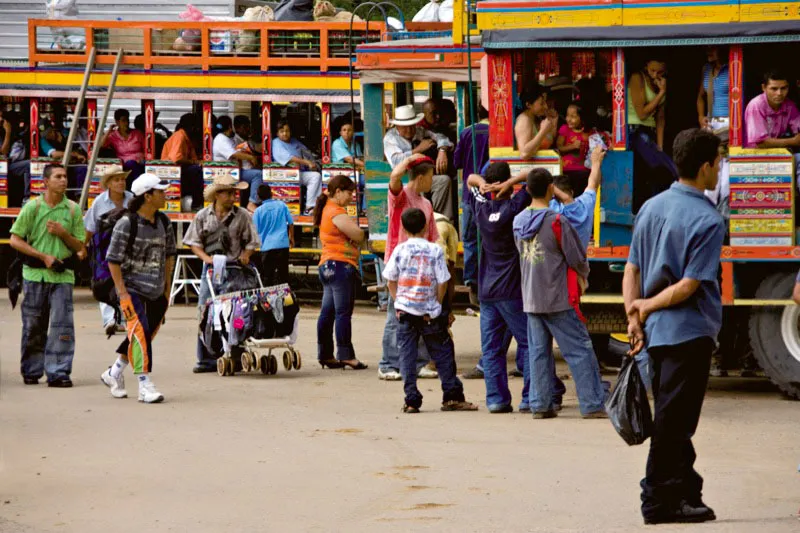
(417, 277)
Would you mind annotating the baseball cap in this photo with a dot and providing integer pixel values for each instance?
(147, 182)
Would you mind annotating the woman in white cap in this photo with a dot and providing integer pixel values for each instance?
(141, 257)
(113, 197)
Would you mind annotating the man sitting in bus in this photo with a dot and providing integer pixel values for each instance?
(180, 150)
(407, 138)
(289, 151)
(226, 149)
(530, 138)
(243, 136)
(771, 120)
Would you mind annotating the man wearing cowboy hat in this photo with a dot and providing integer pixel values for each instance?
(208, 239)
(113, 197)
(407, 138)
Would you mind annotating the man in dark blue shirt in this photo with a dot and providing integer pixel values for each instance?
(674, 307)
(500, 285)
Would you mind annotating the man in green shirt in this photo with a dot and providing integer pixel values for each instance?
(49, 233)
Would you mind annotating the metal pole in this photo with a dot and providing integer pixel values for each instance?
(100, 127)
(74, 128)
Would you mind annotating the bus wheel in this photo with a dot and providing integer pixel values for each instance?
(775, 334)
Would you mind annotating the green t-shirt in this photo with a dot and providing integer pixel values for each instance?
(31, 225)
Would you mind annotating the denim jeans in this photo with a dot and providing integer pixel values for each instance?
(469, 236)
(253, 177)
(205, 359)
(383, 296)
(433, 333)
(576, 348)
(339, 280)
(48, 330)
(391, 355)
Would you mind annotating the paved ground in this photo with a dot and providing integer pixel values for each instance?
(329, 450)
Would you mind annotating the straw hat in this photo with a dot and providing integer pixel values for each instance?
(222, 183)
(113, 171)
(404, 115)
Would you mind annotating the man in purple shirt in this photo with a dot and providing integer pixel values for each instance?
(772, 120)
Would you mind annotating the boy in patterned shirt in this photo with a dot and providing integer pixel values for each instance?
(417, 277)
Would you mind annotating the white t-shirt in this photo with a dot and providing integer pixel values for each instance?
(224, 147)
(418, 267)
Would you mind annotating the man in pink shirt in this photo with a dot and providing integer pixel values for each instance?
(771, 120)
(420, 179)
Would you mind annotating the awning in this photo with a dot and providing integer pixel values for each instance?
(633, 36)
(430, 75)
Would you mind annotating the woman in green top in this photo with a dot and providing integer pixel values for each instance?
(647, 94)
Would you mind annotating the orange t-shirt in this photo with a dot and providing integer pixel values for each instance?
(178, 148)
(335, 244)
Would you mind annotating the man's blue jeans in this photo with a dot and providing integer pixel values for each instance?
(253, 177)
(339, 281)
(469, 236)
(433, 332)
(48, 330)
(391, 356)
(499, 321)
(576, 348)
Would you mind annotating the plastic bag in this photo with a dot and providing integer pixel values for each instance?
(446, 11)
(428, 13)
(628, 407)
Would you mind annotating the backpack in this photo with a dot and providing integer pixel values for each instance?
(102, 284)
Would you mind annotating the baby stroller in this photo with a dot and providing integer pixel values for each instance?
(246, 321)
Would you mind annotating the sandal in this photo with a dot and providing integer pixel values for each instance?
(409, 409)
(454, 405)
(357, 366)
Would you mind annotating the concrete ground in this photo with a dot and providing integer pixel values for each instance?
(329, 450)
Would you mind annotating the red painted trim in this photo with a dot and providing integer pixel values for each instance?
(34, 123)
(266, 132)
(326, 133)
(208, 132)
(735, 64)
(619, 108)
(91, 123)
(501, 111)
(149, 112)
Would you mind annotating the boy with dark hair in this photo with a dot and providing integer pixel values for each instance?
(579, 211)
(48, 232)
(674, 308)
(548, 247)
(275, 227)
(417, 276)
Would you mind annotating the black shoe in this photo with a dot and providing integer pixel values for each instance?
(30, 381)
(61, 383)
(541, 415)
(502, 410)
(684, 514)
(515, 374)
(203, 369)
(475, 373)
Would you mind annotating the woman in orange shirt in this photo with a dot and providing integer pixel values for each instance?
(338, 271)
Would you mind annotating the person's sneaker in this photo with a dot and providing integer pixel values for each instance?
(30, 381)
(115, 385)
(148, 393)
(515, 374)
(596, 414)
(427, 373)
(389, 375)
(501, 410)
(475, 373)
(455, 405)
(541, 415)
(61, 383)
(110, 328)
(408, 409)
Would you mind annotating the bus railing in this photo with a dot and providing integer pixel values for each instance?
(204, 45)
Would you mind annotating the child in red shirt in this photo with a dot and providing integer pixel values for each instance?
(573, 145)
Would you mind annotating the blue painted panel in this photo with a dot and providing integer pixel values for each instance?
(616, 199)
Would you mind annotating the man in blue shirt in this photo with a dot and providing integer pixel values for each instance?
(499, 283)
(579, 211)
(289, 151)
(275, 228)
(463, 160)
(673, 302)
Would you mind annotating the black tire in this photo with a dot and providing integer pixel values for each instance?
(767, 334)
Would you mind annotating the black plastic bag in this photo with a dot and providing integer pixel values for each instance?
(628, 407)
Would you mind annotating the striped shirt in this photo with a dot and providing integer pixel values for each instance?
(719, 100)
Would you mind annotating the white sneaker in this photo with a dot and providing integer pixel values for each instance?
(391, 375)
(117, 385)
(148, 393)
(427, 373)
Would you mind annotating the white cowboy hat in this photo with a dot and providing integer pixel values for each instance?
(405, 116)
(222, 183)
(113, 170)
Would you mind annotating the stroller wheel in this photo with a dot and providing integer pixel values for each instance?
(246, 362)
(263, 364)
(273, 365)
(230, 365)
(287, 360)
(222, 369)
(297, 361)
